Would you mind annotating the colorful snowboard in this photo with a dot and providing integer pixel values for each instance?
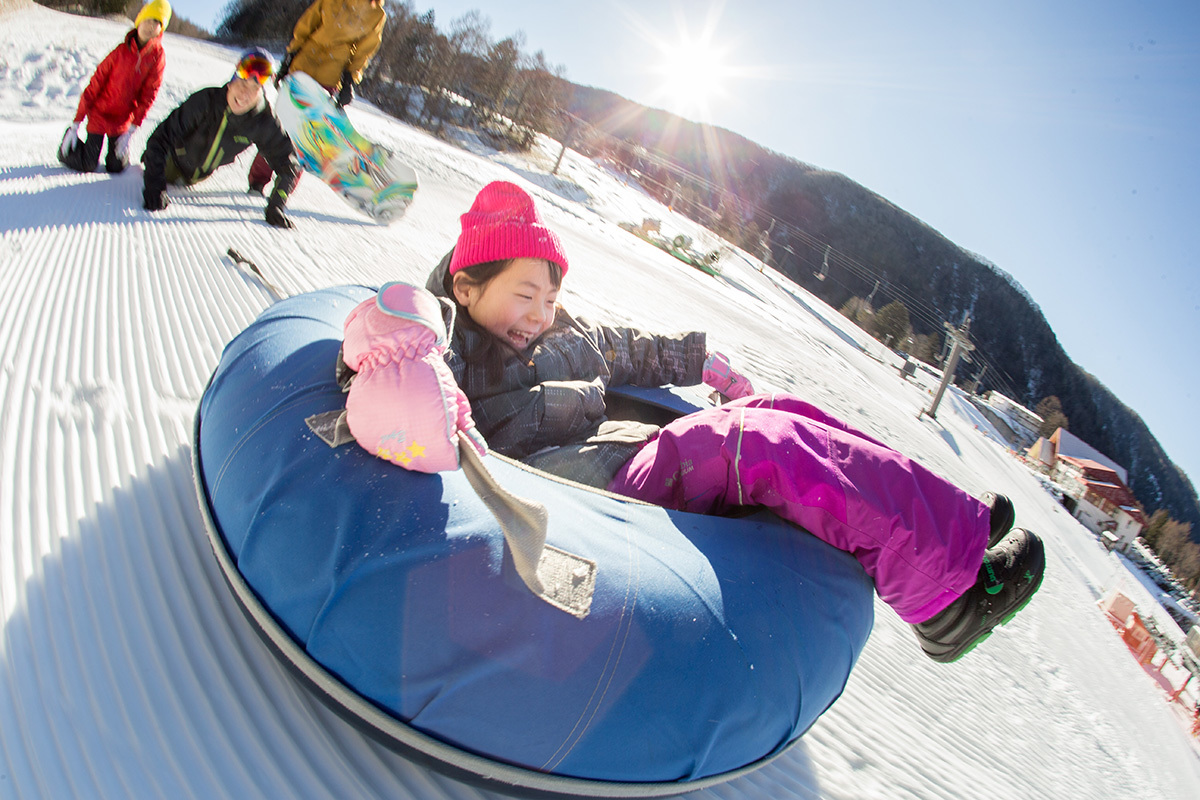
(368, 176)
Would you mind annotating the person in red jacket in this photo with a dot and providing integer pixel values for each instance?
(119, 95)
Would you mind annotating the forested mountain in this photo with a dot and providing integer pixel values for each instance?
(815, 217)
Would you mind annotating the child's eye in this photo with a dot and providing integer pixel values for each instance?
(525, 296)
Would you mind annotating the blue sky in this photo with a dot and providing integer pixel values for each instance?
(1057, 140)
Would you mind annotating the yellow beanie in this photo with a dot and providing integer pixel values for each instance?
(155, 9)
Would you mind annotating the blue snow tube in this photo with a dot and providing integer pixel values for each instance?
(711, 644)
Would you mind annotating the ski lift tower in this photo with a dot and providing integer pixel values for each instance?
(824, 273)
(961, 344)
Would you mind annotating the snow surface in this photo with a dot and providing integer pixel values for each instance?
(127, 669)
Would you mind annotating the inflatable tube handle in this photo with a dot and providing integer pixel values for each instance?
(564, 580)
(524, 521)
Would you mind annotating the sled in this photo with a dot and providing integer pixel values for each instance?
(368, 176)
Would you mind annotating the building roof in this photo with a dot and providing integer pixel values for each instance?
(1104, 482)
(1068, 444)
(1094, 470)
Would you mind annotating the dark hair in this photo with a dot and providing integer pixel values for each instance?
(481, 274)
(490, 351)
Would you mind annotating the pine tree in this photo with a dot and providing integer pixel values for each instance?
(890, 324)
(1053, 418)
(926, 347)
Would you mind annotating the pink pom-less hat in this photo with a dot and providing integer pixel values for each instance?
(504, 223)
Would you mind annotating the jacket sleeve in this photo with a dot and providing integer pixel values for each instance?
(646, 359)
(96, 85)
(277, 149)
(149, 89)
(169, 137)
(309, 21)
(364, 49)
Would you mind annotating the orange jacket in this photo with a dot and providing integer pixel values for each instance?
(337, 35)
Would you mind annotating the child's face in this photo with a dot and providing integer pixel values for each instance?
(147, 29)
(242, 95)
(516, 306)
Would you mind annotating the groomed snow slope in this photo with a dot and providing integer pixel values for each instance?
(127, 670)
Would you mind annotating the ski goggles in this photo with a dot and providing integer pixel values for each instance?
(255, 68)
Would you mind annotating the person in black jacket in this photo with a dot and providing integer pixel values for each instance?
(211, 127)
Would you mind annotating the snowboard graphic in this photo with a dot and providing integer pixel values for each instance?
(368, 176)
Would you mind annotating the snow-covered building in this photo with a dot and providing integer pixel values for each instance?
(1023, 422)
(1094, 488)
(1102, 501)
(1065, 443)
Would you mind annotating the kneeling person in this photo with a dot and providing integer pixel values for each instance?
(209, 130)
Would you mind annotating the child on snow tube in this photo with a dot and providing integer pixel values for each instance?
(535, 378)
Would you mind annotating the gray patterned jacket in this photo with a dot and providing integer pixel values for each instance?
(552, 395)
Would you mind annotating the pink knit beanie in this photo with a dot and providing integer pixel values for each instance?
(504, 223)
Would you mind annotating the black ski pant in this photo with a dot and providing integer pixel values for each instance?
(85, 155)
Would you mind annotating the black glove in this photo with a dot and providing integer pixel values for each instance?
(284, 68)
(275, 216)
(155, 200)
(346, 92)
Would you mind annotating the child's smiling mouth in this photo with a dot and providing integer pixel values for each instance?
(519, 338)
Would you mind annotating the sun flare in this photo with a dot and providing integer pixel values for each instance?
(693, 73)
(694, 61)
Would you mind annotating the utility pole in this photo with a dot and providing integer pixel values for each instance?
(961, 344)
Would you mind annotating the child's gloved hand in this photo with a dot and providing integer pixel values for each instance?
(123, 143)
(155, 201)
(724, 378)
(70, 139)
(404, 405)
(275, 216)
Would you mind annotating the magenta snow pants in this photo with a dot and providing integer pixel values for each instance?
(917, 535)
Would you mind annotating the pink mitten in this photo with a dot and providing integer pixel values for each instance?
(724, 378)
(404, 405)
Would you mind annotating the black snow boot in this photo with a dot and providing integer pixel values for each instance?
(1002, 518)
(113, 163)
(1010, 575)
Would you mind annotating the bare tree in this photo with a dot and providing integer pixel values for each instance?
(402, 21)
(496, 75)
(540, 98)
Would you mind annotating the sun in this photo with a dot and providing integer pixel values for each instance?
(693, 73)
(693, 64)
